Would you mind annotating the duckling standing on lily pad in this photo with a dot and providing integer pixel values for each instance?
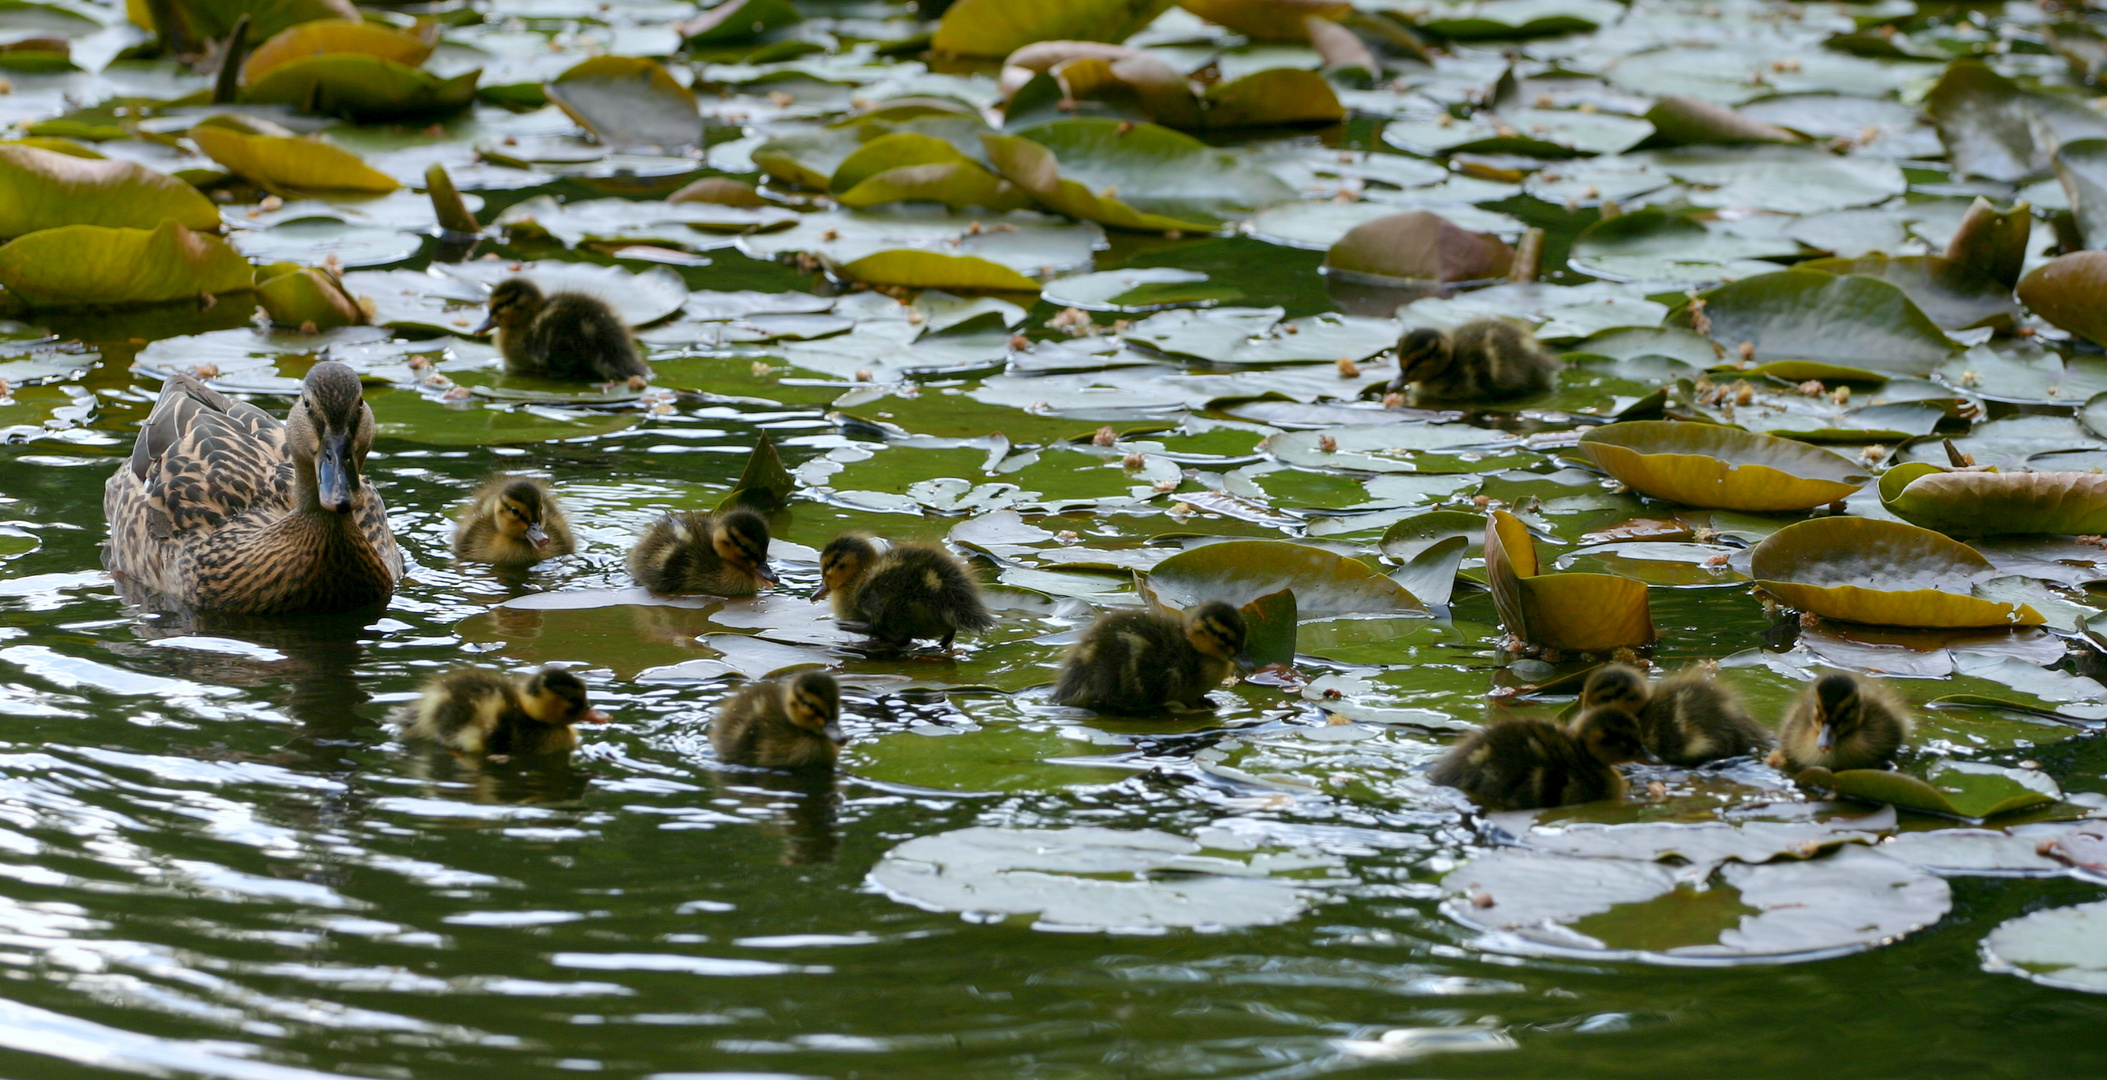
(693, 552)
(1482, 360)
(475, 710)
(1525, 763)
(1844, 721)
(1146, 661)
(1689, 718)
(788, 723)
(564, 335)
(906, 593)
(512, 521)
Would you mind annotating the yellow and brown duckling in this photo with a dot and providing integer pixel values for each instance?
(787, 723)
(512, 521)
(224, 508)
(1482, 360)
(476, 710)
(1525, 763)
(1146, 661)
(907, 593)
(564, 335)
(1689, 718)
(693, 552)
(1843, 721)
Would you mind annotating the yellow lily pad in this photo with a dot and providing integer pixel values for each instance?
(290, 164)
(1880, 572)
(360, 86)
(1242, 571)
(1996, 504)
(45, 189)
(936, 270)
(997, 28)
(1580, 612)
(93, 265)
(1719, 467)
(310, 39)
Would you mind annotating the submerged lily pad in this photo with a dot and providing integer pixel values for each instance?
(628, 102)
(1139, 881)
(1240, 571)
(1881, 572)
(1725, 468)
(2065, 948)
(1996, 504)
(1581, 612)
(997, 757)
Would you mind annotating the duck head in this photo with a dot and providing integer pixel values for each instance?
(329, 431)
(845, 559)
(1216, 629)
(513, 304)
(741, 539)
(812, 701)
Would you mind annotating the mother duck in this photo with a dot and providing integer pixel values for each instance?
(223, 508)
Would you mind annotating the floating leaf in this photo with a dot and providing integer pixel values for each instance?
(935, 270)
(216, 18)
(1268, 20)
(997, 28)
(290, 164)
(80, 265)
(1950, 294)
(40, 189)
(1881, 572)
(2064, 947)
(1679, 118)
(1653, 245)
(1992, 242)
(1994, 129)
(361, 87)
(628, 102)
(1960, 789)
(1134, 176)
(304, 296)
(1707, 465)
(995, 757)
(1241, 571)
(1994, 503)
(1492, 20)
(309, 39)
(1581, 612)
(1269, 628)
(763, 484)
(1128, 881)
(955, 184)
(1851, 322)
(2071, 292)
(1417, 246)
(739, 20)
(1267, 98)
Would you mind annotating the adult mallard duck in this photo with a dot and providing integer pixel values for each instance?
(223, 508)
(907, 593)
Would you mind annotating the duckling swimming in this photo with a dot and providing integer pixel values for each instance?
(910, 592)
(565, 335)
(477, 710)
(1689, 717)
(1524, 763)
(788, 723)
(1844, 721)
(1482, 360)
(512, 521)
(1144, 661)
(693, 552)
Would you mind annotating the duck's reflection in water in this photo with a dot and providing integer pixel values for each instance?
(551, 781)
(306, 665)
(801, 808)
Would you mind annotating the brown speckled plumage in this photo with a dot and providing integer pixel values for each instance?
(1525, 763)
(476, 710)
(1146, 661)
(1482, 360)
(788, 723)
(908, 592)
(220, 506)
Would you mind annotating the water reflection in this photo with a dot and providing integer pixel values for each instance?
(800, 809)
(308, 664)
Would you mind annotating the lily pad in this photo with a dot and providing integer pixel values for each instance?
(1852, 321)
(1951, 294)
(917, 269)
(1581, 612)
(1969, 790)
(291, 165)
(1132, 176)
(1996, 504)
(995, 757)
(335, 36)
(1880, 572)
(2071, 292)
(997, 28)
(81, 265)
(40, 189)
(1241, 571)
(360, 87)
(1994, 129)
(628, 102)
(1417, 246)
(1725, 468)
(1123, 881)
(2064, 947)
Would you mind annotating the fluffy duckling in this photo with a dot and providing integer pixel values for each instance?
(1482, 360)
(789, 723)
(1843, 721)
(565, 335)
(910, 592)
(1525, 763)
(1689, 718)
(476, 710)
(512, 521)
(1144, 661)
(693, 552)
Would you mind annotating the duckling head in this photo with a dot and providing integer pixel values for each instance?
(812, 701)
(557, 698)
(844, 560)
(1839, 709)
(513, 304)
(741, 539)
(1621, 685)
(1423, 354)
(328, 432)
(1217, 629)
(1612, 735)
(520, 510)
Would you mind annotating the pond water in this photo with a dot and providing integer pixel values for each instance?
(215, 861)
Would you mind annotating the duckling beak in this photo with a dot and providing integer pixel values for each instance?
(1244, 662)
(762, 571)
(489, 324)
(825, 590)
(1650, 758)
(1825, 738)
(334, 470)
(595, 716)
(538, 537)
(834, 734)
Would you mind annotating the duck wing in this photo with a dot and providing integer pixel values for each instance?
(204, 459)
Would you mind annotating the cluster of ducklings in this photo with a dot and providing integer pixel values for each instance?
(1841, 721)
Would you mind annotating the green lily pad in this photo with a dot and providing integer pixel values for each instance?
(1996, 504)
(997, 28)
(1280, 96)
(412, 417)
(361, 87)
(1417, 246)
(1994, 129)
(1269, 628)
(1241, 571)
(917, 269)
(1951, 294)
(304, 296)
(628, 102)
(290, 165)
(1580, 612)
(1852, 321)
(1962, 789)
(1132, 176)
(320, 36)
(739, 20)
(1268, 20)
(1138, 289)
(763, 484)
(996, 757)
(1494, 20)
(955, 184)
(40, 189)
(1706, 465)
(215, 19)
(1993, 242)
(1386, 448)
(2063, 947)
(1653, 245)
(82, 265)
(2068, 291)
(1880, 572)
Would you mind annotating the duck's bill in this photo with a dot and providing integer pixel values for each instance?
(335, 474)
(1824, 738)
(822, 592)
(1244, 662)
(595, 716)
(834, 734)
(538, 536)
(489, 324)
(762, 571)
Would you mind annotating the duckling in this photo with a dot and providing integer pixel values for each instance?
(476, 710)
(1843, 721)
(512, 520)
(693, 552)
(1690, 717)
(1483, 360)
(566, 335)
(1144, 661)
(789, 723)
(911, 591)
(1524, 763)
